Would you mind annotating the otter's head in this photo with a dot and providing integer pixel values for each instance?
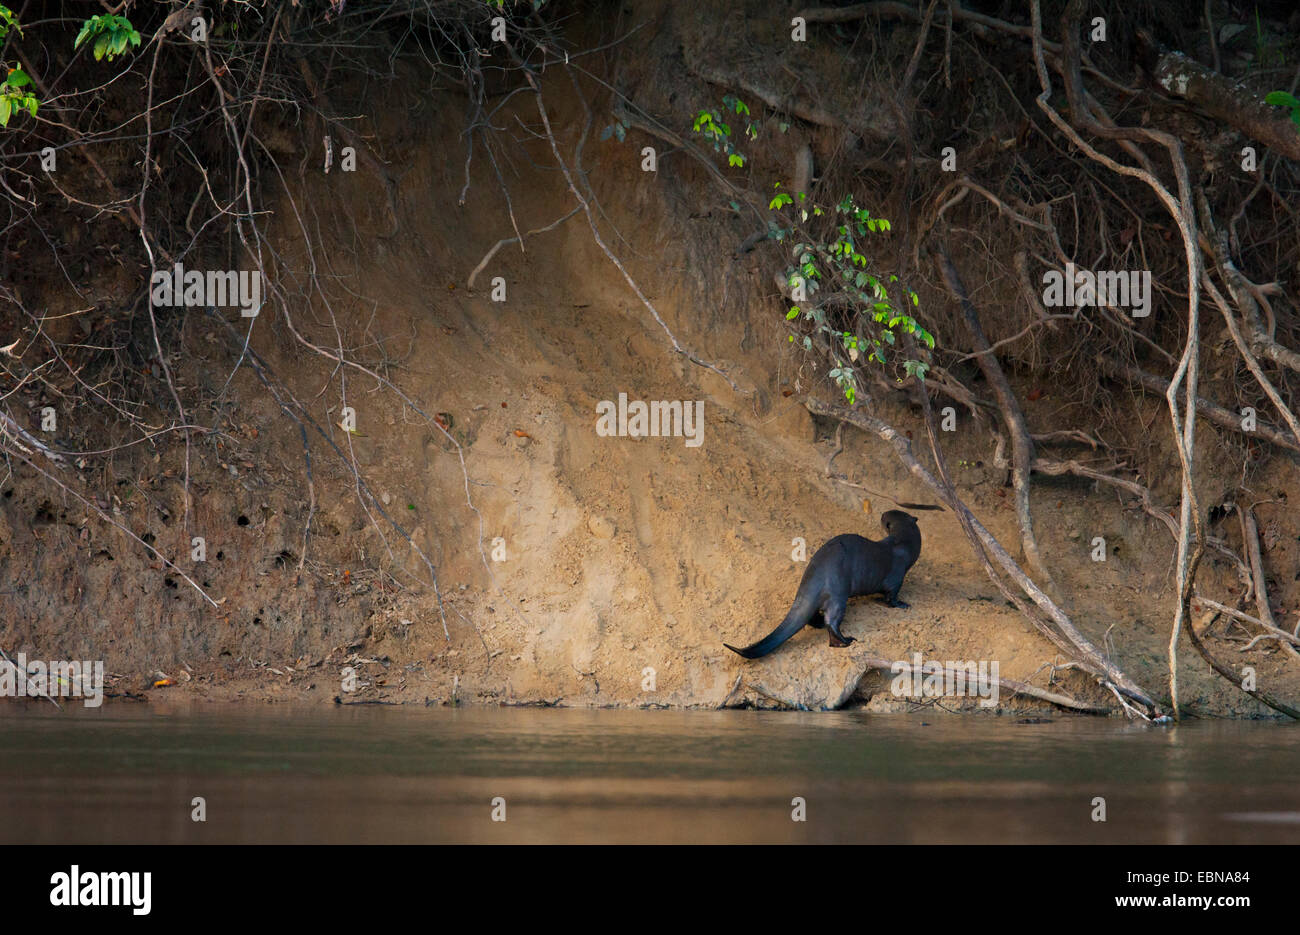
(896, 522)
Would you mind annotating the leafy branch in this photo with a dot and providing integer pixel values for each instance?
(856, 311)
(714, 128)
(112, 34)
(12, 95)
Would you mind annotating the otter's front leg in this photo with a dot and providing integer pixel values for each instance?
(889, 594)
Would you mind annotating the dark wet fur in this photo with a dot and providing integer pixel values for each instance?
(846, 566)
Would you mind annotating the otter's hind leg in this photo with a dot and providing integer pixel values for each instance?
(834, 613)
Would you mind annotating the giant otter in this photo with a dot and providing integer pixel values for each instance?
(846, 566)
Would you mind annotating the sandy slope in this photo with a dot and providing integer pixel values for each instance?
(627, 561)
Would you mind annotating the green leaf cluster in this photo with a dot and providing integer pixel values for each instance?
(1284, 99)
(836, 265)
(13, 97)
(15, 90)
(111, 34)
(714, 128)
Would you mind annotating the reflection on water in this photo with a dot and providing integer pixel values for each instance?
(381, 774)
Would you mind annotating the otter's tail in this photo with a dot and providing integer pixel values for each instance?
(794, 621)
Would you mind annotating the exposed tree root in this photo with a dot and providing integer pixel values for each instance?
(1022, 446)
(1216, 413)
(1062, 632)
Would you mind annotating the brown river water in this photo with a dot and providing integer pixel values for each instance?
(368, 774)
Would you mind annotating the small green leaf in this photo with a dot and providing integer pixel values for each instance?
(17, 78)
(1281, 99)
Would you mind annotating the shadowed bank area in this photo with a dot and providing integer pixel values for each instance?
(447, 353)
